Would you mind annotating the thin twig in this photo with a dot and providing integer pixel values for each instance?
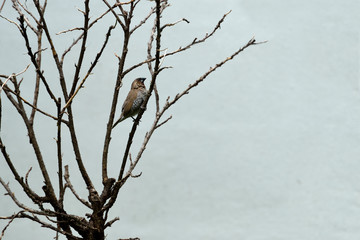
(157, 98)
(10, 21)
(124, 3)
(47, 225)
(98, 55)
(70, 30)
(212, 69)
(174, 23)
(29, 192)
(59, 154)
(38, 60)
(115, 15)
(152, 11)
(131, 163)
(82, 34)
(19, 204)
(13, 75)
(34, 218)
(2, 5)
(0, 112)
(12, 217)
(32, 106)
(160, 124)
(168, 104)
(195, 41)
(28, 12)
(17, 8)
(27, 175)
(53, 50)
(33, 58)
(68, 184)
(82, 49)
(109, 223)
(48, 189)
(149, 56)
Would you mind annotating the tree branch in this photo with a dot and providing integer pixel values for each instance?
(68, 184)
(82, 49)
(54, 52)
(20, 205)
(168, 104)
(48, 189)
(12, 217)
(59, 155)
(152, 84)
(32, 195)
(118, 83)
(115, 15)
(122, 180)
(2, 5)
(82, 34)
(98, 55)
(181, 49)
(7, 89)
(37, 82)
(17, 8)
(13, 75)
(33, 58)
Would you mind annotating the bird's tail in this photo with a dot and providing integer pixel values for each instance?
(118, 121)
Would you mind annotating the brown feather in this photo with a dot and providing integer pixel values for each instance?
(126, 108)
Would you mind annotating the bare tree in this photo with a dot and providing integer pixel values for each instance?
(50, 211)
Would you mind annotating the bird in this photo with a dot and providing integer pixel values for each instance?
(133, 101)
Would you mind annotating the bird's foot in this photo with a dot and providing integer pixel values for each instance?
(134, 120)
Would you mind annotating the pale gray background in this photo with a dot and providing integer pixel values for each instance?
(266, 149)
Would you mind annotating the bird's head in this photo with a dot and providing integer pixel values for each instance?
(138, 83)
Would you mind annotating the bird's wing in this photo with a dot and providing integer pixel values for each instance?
(126, 108)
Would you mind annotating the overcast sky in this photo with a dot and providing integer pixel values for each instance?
(267, 148)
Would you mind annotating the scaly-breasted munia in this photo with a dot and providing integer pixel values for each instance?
(133, 101)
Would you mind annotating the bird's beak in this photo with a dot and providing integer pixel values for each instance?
(142, 79)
